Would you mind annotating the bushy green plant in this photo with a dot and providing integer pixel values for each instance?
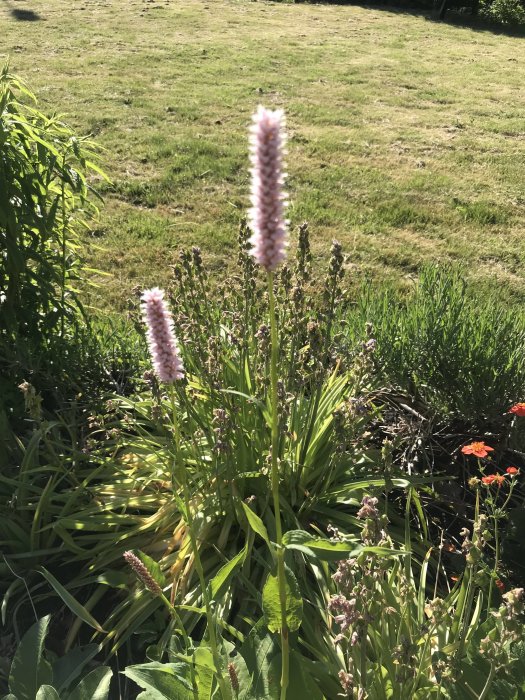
(35, 673)
(510, 12)
(44, 199)
(448, 344)
(121, 495)
(398, 643)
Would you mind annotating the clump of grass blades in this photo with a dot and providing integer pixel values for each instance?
(123, 499)
(447, 343)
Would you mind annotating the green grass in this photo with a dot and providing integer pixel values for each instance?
(407, 135)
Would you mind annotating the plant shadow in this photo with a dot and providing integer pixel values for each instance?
(21, 14)
(430, 11)
(25, 15)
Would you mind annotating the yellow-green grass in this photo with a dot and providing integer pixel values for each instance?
(407, 136)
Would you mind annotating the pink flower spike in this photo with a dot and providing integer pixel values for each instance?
(266, 216)
(162, 343)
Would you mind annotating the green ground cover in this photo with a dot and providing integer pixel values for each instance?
(407, 135)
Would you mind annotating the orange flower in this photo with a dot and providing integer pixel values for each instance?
(500, 585)
(498, 479)
(513, 471)
(518, 409)
(478, 449)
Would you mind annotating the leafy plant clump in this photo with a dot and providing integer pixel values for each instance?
(44, 199)
(36, 674)
(234, 482)
(455, 349)
(510, 12)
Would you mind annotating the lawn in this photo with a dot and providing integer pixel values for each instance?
(407, 136)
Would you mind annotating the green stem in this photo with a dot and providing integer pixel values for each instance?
(496, 562)
(64, 249)
(275, 491)
(484, 693)
(210, 619)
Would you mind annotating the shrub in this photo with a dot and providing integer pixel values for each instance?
(510, 12)
(43, 201)
(36, 674)
(458, 350)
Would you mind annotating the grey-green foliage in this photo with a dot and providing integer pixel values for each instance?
(34, 676)
(458, 349)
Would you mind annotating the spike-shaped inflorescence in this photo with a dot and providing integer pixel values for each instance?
(266, 216)
(162, 342)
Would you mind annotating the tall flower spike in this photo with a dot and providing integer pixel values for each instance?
(266, 216)
(162, 343)
(142, 573)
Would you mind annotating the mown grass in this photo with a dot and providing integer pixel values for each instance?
(407, 135)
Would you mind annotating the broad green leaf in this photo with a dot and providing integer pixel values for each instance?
(73, 604)
(29, 669)
(205, 672)
(95, 686)
(302, 686)
(223, 576)
(163, 681)
(318, 547)
(47, 692)
(257, 652)
(231, 655)
(69, 667)
(272, 603)
(152, 566)
(256, 524)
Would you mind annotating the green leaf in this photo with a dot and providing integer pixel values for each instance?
(232, 656)
(302, 686)
(29, 669)
(152, 566)
(223, 576)
(317, 547)
(205, 671)
(69, 667)
(272, 603)
(95, 686)
(73, 604)
(258, 652)
(114, 579)
(256, 524)
(47, 692)
(162, 681)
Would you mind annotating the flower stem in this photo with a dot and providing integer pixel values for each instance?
(210, 618)
(275, 491)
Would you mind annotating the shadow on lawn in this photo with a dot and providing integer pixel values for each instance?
(22, 14)
(454, 17)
